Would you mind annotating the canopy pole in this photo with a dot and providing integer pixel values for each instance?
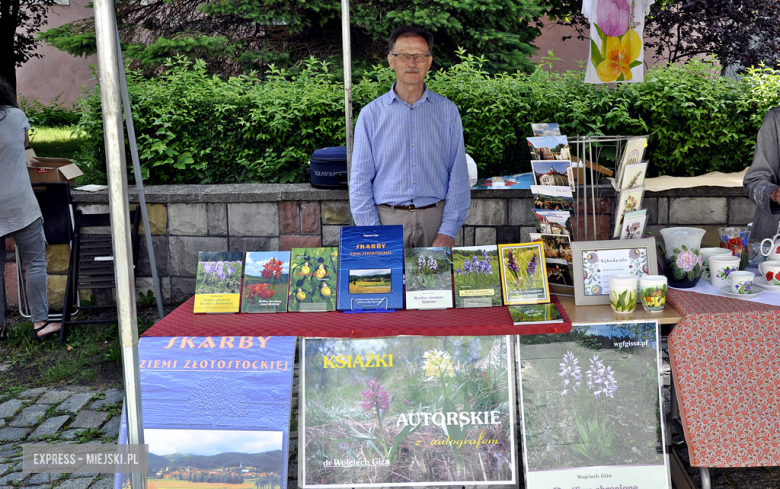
(139, 181)
(347, 47)
(113, 133)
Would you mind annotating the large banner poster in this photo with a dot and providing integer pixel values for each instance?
(407, 411)
(591, 408)
(216, 411)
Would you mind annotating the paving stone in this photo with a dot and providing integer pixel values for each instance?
(4, 468)
(76, 402)
(113, 396)
(33, 392)
(30, 416)
(43, 478)
(9, 408)
(76, 476)
(13, 477)
(335, 212)
(89, 419)
(28, 486)
(6, 447)
(49, 427)
(5, 367)
(81, 483)
(183, 253)
(216, 216)
(187, 219)
(112, 427)
(253, 219)
(487, 212)
(54, 397)
(70, 434)
(2, 423)
(107, 483)
(12, 434)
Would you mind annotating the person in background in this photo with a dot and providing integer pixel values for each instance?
(20, 216)
(762, 180)
(409, 162)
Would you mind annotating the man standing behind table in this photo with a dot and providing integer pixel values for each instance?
(409, 162)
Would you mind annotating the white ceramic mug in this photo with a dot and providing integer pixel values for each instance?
(652, 292)
(771, 271)
(705, 253)
(721, 266)
(741, 282)
(774, 247)
(623, 292)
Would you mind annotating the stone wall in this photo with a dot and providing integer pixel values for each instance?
(187, 219)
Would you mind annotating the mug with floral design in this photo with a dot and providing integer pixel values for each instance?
(771, 272)
(721, 266)
(736, 239)
(705, 254)
(741, 282)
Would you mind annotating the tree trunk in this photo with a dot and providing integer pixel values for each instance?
(7, 34)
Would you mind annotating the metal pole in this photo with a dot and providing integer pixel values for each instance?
(139, 181)
(347, 47)
(105, 22)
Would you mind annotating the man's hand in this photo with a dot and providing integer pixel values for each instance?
(774, 196)
(443, 240)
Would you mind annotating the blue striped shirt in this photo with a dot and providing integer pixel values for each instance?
(407, 155)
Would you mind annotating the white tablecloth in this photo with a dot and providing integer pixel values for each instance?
(767, 297)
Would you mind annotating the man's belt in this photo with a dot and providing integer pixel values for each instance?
(410, 208)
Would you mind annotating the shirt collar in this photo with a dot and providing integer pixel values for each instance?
(392, 96)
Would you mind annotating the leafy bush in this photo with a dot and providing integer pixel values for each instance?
(196, 128)
(55, 114)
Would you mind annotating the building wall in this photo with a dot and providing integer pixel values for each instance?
(57, 72)
(187, 219)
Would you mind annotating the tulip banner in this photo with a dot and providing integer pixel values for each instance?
(616, 44)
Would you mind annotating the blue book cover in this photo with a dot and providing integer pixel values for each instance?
(216, 410)
(371, 268)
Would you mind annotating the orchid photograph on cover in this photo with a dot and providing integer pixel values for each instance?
(407, 411)
(590, 400)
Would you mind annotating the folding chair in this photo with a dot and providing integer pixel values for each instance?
(92, 265)
(57, 211)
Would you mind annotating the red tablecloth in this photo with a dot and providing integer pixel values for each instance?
(725, 358)
(447, 322)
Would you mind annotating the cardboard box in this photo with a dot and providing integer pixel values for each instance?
(51, 170)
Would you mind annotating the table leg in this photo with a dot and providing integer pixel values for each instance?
(705, 477)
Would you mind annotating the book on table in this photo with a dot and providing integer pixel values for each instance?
(371, 268)
(218, 282)
(266, 275)
(523, 273)
(535, 314)
(313, 279)
(476, 278)
(428, 278)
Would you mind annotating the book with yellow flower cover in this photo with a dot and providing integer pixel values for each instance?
(313, 279)
(265, 281)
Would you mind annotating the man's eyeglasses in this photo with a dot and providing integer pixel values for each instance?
(406, 57)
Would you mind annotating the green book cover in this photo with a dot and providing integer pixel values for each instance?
(313, 276)
(476, 277)
(535, 314)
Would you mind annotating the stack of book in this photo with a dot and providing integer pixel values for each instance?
(631, 218)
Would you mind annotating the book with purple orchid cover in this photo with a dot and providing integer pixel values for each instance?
(591, 407)
(218, 282)
(476, 277)
(266, 275)
(523, 273)
(428, 278)
(407, 411)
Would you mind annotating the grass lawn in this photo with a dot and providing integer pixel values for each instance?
(91, 356)
(55, 142)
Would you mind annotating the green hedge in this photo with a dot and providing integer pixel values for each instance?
(196, 128)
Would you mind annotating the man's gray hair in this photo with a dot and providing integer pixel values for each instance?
(410, 30)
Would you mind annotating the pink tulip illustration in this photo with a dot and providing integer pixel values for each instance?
(613, 17)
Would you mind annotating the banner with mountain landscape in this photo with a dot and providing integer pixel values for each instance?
(216, 411)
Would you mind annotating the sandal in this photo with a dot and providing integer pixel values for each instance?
(47, 335)
(4, 333)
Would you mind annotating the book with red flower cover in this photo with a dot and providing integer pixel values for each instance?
(265, 281)
(313, 279)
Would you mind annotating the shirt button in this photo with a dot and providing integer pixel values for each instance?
(412, 127)
(414, 181)
(412, 144)
(414, 164)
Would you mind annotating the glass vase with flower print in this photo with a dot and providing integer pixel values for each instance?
(683, 262)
